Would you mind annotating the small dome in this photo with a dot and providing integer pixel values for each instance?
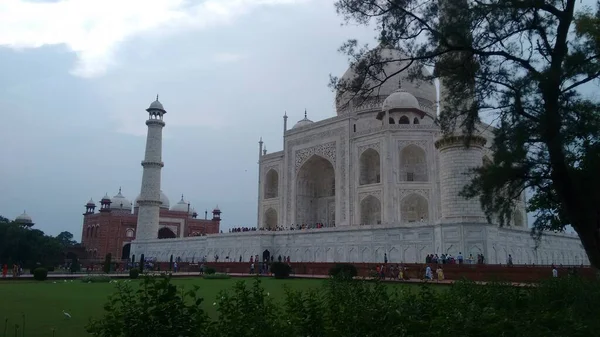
(163, 198)
(105, 199)
(181, 206)
(120, 202)
(90, 203)
(303, 122)
(400, 99)
(216, 210)
(192, 211)
(24, 218)
(156, 105)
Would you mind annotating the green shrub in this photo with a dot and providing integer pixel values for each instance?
(50, 268)
(40, 274)
(142, 262)
(281, 269)
(134, 273)
(107, 263)
(210, 271)
(75, 266)
(344, 271)
(216, 276)
(155, 309)
(96, 279)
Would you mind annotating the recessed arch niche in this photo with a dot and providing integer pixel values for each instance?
(271, 184)
(370, 167)
(315, 192)
(414, 208)
(413, 164)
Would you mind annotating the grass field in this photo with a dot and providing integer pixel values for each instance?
(41, 304)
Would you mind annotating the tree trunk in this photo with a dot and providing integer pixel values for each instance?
(589, 234)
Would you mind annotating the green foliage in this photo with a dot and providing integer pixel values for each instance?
(66, 239)
(28, 246)
(75, 266)
(210, 270)
(217, 276)
(134, 273)
(281, 269)
(249, 312)
(107, 263)
(40, 274)
(557, 307)
(343, 271)
(96, 279)
(156, 309)
(524, 65)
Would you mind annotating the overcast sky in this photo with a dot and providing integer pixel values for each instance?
(77, 75)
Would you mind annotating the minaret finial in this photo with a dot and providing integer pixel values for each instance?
(157, 97)
(305, 113)
(285, 114)
(119, 189)
(181, 196)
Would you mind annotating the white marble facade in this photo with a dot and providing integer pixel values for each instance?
(381, 180)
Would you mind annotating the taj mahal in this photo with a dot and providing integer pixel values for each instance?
(378, 179)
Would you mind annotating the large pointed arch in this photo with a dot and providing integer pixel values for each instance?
(370, 211)
(315, 192)
(370, 167)
(271, 184)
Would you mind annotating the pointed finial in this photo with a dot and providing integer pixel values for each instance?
(260, 141)
(305, 113)
(285, 114)
(181, 196)
(119, 189)
(157, 97)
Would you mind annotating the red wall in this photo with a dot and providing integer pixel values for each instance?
(516, 273)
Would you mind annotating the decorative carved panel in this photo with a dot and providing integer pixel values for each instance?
(424, 144)
(327, 150)
(374, 146)
(424, 192)
(376, 194)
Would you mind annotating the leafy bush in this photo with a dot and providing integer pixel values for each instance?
(558, 307)
(156, 309)
(107, 263)
(96, 279)
(281, 269)
(75, 266)
(217, 276)
(40, 274)
(210, 271)
(343, 271)
(134, 273)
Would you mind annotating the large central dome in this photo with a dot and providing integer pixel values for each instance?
(425, 92)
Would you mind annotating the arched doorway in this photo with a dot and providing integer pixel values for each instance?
(271, 184)
(166, 233)
(126, 251)
(266, 255)
(271, 219)
(370, 211)
(370, 167)
(315, 192)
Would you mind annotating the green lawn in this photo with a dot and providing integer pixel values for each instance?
(42, 303)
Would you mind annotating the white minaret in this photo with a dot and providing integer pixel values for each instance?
(149, 201)
(455, 159)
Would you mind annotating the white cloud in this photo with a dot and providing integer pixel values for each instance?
(94, 28)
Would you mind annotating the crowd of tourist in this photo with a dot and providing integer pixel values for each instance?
(292, 227)
(459, 259)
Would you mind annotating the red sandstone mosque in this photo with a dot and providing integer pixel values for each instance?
(114, 226)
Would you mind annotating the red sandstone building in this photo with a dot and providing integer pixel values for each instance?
(113, 227)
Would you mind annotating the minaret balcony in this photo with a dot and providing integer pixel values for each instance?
(147, 163)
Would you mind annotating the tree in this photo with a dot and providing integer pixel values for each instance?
(523, 63)
(29, 247)
(66, 239)
(107, 263)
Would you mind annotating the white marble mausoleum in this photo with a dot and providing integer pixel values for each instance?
(379, 179)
